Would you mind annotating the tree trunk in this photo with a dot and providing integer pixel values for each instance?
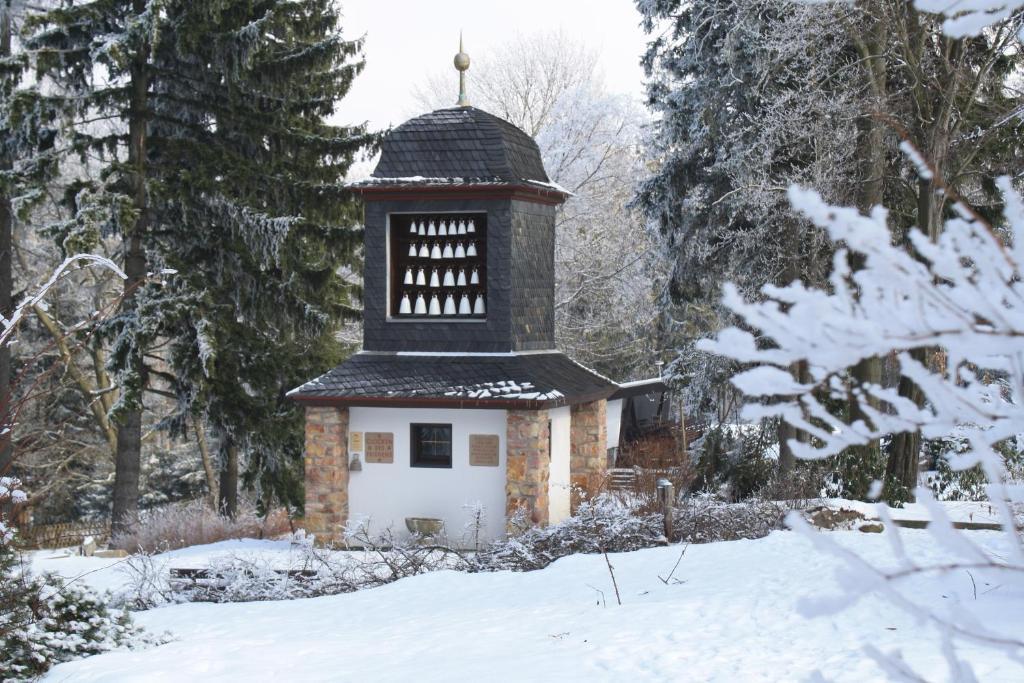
(229, 482)
(204, 453)
(873, 155)
(129, 431)
(901, 470)
(787, 460)
(6, 271)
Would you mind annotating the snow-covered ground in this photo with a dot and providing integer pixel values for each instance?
(728, 614)
(957, 511)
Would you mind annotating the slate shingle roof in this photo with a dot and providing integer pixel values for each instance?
(530, 380)
(461, 142)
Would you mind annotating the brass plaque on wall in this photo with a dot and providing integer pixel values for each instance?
(355, 442)
(380, 447)
(483, 450)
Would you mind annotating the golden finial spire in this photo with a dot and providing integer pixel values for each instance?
(461, 64)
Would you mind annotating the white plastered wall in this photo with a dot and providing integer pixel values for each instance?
(558, 477)
(614, 422)
(388, 493)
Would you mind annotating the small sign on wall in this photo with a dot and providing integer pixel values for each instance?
(380, 447)
(355, 442)
(483, 450)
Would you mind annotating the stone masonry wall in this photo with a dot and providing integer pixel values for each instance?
(588, 449)
(527, 464)
(326, 461)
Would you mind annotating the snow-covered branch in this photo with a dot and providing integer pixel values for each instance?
(26, 305)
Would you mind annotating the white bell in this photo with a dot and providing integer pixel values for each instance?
(462, 227)
(462, 278)
(406, 307)
(448, 253)
(464, 307)
(478, 307)
(435, 306)
(449, 305)
(408, 276)
(424, 251)
(421, 305)
(423, 229)
(434, 281)
(443, 229)
(471, 227)
(412, 250)
(474, 279)
(432, 230)
(449, 278)
(472, 249)
(412, 228)
(421, 278)
(459, 251)
(435, 253)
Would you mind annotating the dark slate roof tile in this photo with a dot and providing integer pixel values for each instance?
(460, 142)
(548, 379)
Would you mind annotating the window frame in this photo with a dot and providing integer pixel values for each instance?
(416, 459)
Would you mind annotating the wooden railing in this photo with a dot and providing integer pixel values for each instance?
(63, 535)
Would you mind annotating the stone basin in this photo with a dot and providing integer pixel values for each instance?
(428, 527)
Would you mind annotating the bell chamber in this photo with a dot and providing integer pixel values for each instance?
(432, 251)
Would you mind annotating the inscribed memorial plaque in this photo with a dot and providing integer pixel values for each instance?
(483, 450)
(380, 447)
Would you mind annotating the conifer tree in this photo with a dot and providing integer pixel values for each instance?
(259, 227)
(218, 164)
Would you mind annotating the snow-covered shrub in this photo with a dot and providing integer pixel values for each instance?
(180, 525)
(601, 524)
(706, 518)
(735, 460)
(45, 620)
(947, 483)
(306, 572)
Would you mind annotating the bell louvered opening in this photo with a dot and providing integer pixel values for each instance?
(438, 266)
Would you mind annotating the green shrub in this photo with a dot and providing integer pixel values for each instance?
(44, 622)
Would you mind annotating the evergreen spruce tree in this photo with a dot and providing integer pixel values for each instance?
(258, 225)
(218, 164)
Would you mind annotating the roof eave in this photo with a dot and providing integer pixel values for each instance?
(461, 403)
(476, 190)
(630, 389)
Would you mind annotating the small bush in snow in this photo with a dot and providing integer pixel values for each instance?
(705, 518)
(186, 524)
(45, 621)
(602, 524)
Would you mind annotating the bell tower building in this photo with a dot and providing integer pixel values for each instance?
(458, 334)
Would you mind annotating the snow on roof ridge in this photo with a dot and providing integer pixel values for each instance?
(640, 382)
(438, 180)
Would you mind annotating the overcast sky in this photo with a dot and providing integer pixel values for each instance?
(407, 40)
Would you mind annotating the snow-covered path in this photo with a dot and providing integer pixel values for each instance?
(731, 617)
